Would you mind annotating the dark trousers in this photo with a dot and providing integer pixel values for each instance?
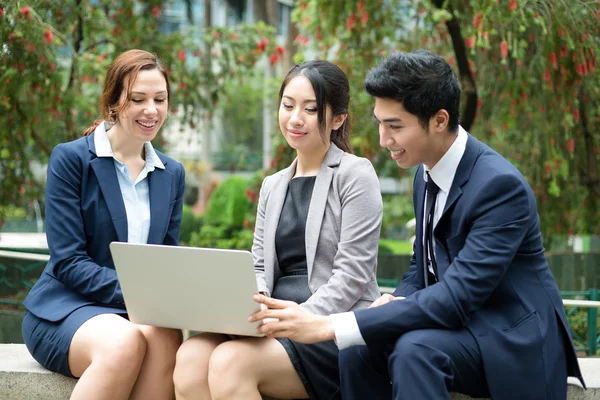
(422, 364)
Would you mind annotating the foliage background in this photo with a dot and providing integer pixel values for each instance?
(530, 82)
(53, 58)
(528, 69)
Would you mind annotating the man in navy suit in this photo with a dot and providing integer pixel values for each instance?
(479, 311)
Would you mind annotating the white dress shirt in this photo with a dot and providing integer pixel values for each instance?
(136, 195)
(345, 326)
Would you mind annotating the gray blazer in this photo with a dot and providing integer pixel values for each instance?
(342, 233)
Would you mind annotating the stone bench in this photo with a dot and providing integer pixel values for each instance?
(21, 377)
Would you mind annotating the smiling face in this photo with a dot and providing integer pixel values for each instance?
(408, 142)
(298, 119)
(146, 110)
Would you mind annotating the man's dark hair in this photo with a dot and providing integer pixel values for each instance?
(422, 81)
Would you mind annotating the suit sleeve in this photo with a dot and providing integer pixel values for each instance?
(411, 282)
(172, 236)
(66, 235)
(500, 217)
(355, 263)
(258, 253)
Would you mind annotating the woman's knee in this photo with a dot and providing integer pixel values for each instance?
(126, 347)
(229, 368)
(165, 340)
(192, 360)
(110, 341)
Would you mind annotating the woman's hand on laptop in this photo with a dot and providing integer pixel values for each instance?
(288, 319)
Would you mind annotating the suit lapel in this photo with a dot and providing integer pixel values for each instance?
(272, 214)
(105, 171)
(314, 219)
(419, 188)
(318, 201)
(463, 172)
(159, 182)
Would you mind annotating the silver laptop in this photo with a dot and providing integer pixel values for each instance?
(207, 290)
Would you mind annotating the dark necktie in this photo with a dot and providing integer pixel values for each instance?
(432, 191)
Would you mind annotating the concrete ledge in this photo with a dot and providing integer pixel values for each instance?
(21, 377)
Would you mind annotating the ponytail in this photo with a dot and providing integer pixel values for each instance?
(341, 136)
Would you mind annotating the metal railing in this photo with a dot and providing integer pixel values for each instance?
(589, 300)
(20, 278)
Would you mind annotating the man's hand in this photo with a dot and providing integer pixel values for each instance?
(386, 298)
(287, 319)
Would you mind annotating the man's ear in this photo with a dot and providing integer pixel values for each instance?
(439, 122)
(338, 120)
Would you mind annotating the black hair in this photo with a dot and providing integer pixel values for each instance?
(331, 89)
(422, 81)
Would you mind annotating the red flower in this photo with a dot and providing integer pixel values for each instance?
(280, 50)
(48, 36)
(350, 21)
(25, 10)
(181, 55)
(470, 42)
(477, 21)
(571, 145)
(564, 50)
(1, 12)
(576, 114)
(553, 61)
(262, 45)
(504, 49)
(513, 5)
(364, 17)
(274, 58)
(156, 12)
(547, 75)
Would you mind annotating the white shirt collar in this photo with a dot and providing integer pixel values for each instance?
(103, 148)
(443, 172)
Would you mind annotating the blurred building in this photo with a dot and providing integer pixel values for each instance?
(203, 142)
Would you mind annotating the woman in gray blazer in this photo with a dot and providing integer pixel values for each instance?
(315, 243)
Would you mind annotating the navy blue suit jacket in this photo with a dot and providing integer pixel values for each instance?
(494, 279)
(84, 213)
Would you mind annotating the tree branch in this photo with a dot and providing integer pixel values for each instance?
(460, 51)
(34, 136)
(589, 172)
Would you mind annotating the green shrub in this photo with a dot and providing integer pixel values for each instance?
(218, 237)
(228, 204)
(190, 223)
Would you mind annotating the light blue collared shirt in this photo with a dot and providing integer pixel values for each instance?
(136, 195)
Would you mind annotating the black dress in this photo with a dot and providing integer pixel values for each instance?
(316, 364)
